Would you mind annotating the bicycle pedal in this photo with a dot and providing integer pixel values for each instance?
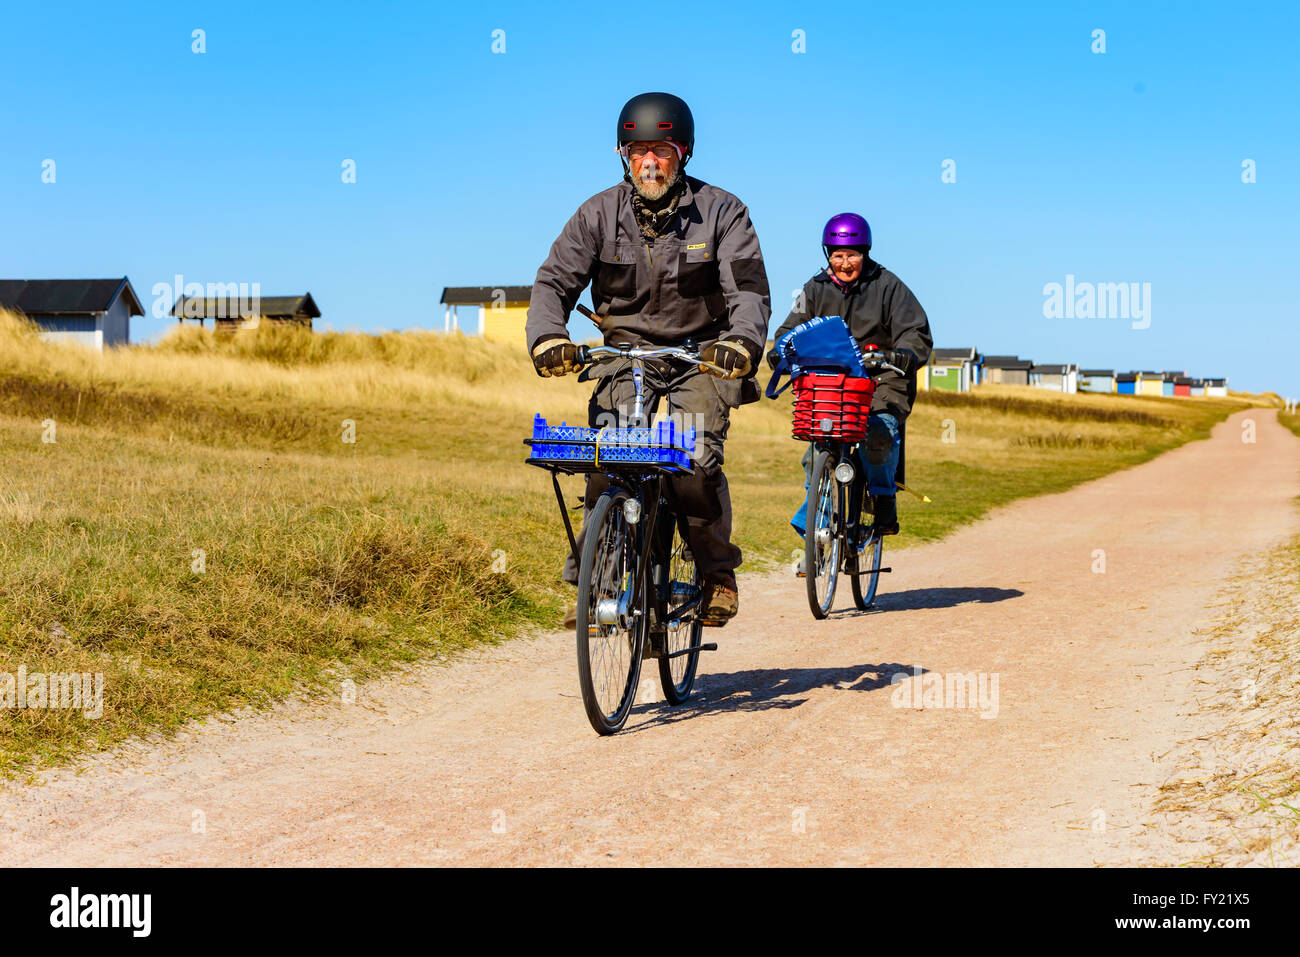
(713, 622)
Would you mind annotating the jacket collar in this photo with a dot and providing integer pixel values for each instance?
(685, 203)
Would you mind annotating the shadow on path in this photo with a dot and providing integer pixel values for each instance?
(941, 597)
(761, 690)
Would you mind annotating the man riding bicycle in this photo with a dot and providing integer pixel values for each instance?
(880, 311)
(669, 258)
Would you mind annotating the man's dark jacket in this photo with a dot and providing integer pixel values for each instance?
(703, 278)
(879, 310)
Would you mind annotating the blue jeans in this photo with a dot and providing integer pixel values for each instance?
(882, 435)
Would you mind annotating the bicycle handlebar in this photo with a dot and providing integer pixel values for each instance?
(587, 353)
(873, 360)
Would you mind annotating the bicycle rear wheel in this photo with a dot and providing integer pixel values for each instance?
(610, 635)
(822, 535)
(683, 630)
(866, 580)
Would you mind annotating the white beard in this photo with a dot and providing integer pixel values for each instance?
(654, 189)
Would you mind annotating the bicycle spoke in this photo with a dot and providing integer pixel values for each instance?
(609, 651)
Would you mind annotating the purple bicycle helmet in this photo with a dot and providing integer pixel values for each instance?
(846, 229)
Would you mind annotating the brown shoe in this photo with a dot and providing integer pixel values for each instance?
(571, 618)
(720, 601)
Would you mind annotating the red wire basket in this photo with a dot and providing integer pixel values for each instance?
(831, 407)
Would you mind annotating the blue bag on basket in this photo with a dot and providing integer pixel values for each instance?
(823, 344)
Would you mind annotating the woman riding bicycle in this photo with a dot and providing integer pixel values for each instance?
(881, 312)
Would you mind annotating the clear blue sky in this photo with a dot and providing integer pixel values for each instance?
(1115, 167)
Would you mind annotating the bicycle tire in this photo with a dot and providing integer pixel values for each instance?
(682, 581)
(821, 533)
(864, 597)
(606, 570)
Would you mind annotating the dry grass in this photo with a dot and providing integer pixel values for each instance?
(1236, 799)
(325, 558)
(1291, 420)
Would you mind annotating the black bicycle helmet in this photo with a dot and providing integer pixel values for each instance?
(657, 116)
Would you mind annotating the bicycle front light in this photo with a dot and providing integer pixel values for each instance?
(844, 473)
(632, 511)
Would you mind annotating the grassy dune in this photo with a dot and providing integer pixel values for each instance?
(1291, 420)
(200, 532)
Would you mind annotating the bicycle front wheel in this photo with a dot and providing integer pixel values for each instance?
(683, 628)
(611, 619)
(822, 535)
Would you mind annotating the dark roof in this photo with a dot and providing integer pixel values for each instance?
(1050, 370)
(1109, 372)
(967, 354)
(477, 295)
(1126, 377)
(1216, 381)
(1184, 380)
(1007, 362)
(228, 307)
(53, 297)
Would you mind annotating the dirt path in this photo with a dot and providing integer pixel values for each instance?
(793, 752)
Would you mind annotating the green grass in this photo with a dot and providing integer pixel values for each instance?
(325, 560)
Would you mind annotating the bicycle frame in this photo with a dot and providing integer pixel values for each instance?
(646, 486)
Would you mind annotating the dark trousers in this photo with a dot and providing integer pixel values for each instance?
(692, 399)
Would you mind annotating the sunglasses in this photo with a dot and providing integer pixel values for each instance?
(661, 150)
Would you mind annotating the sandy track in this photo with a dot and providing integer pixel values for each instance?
(793, 751)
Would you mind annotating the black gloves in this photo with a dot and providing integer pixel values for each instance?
(905, 359)
(555, 355)
(735, 356)
(773, 358)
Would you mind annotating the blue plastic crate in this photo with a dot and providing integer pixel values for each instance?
(660, 444)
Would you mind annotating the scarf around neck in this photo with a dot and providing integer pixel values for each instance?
(652, 218)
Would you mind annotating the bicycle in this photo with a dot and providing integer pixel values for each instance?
(836, 486)
(639, 590)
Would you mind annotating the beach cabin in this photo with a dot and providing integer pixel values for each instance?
(1006, 370)
(1058, 378)
(1216, 387)
(1096, 380)
(90, 312)
(1126, 383)
(501, 311)
(243, 311)
(1150, 383)
(1167, 380)
(950, 370)
(1198, 387)
(1182, 385)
